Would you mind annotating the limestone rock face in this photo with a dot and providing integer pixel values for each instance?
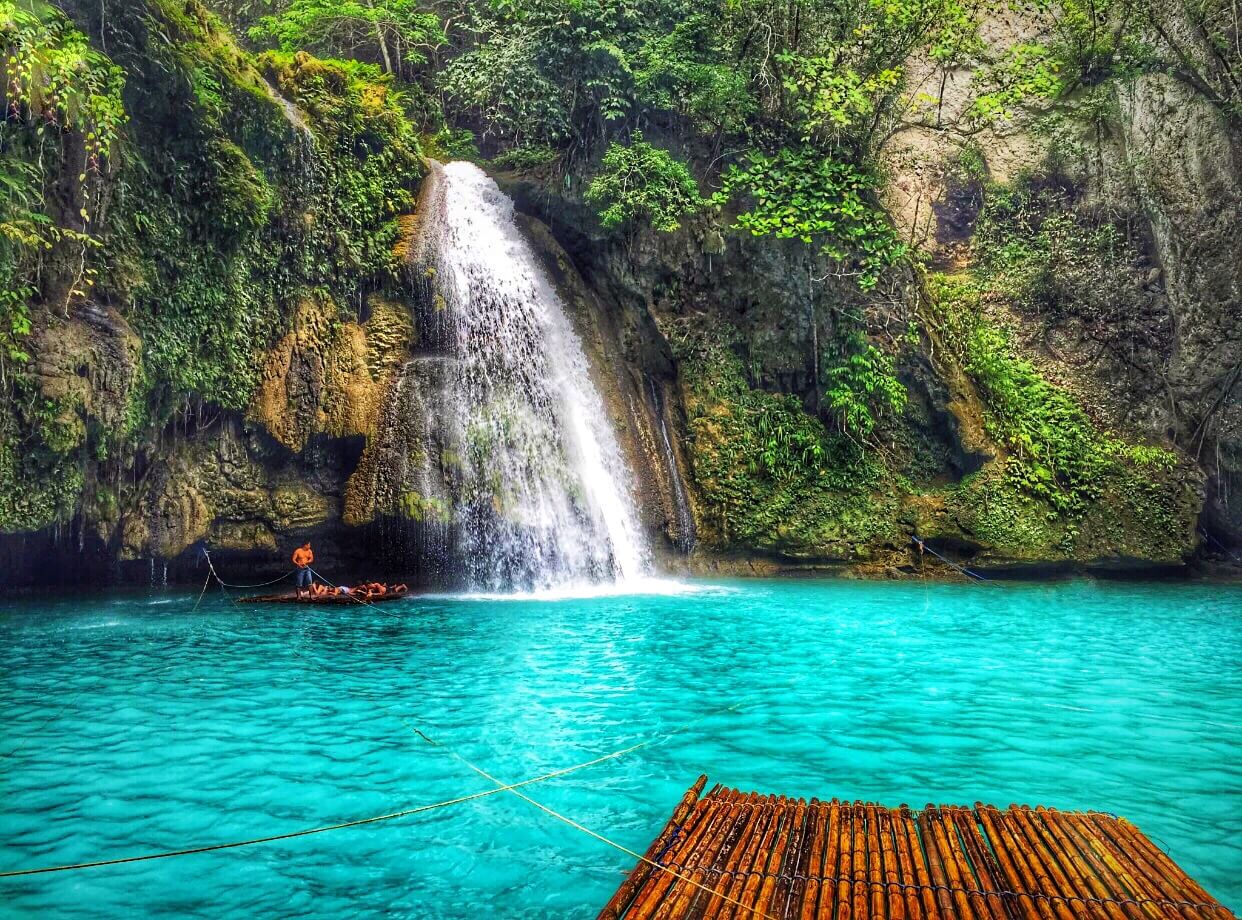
(1158, 355)
(88, 366)
(1186, 170)
(248, 484)
(330, 377)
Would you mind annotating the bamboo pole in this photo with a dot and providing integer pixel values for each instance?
(678, 901)
(845, 867)
(935, 861)
(987, 871)
(1172, 870)
(1010, 864)
(776, 858)
(755, 872)
(761, 816)
(815, 866)
(1170, 873)
(968, 898)
(1055, 823)
(753, 812)
(931, 908)
(728, 855)
(619, 901)
(894, 896)
(875, 862)
(1145, 884)
(860, 888)
(659, 886)
(905, 863)
(793, 873)
(830, 887)
(1112, 874)
(1074, 880)
(1033, 875)
(1048, 875)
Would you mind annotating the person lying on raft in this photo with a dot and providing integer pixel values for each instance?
(379, 589)
(375, 589)
(363, 592)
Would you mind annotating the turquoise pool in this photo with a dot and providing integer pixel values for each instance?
(131, 724)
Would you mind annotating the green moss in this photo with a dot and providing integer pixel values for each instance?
(223, 224)
(1065, 485)
(770, 475)
(418, 507)
(38, 486)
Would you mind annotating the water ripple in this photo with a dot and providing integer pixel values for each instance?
(167, 729)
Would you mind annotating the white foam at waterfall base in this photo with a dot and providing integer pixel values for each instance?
(644, 585)
(543, 496)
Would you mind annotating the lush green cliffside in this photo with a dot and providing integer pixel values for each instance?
(203, 251)
(846, 276)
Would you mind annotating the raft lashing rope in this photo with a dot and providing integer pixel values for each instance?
(922, 545)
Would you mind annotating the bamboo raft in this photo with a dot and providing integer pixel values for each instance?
(349, 599)
(740, 855)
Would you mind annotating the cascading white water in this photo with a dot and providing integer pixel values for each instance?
(541, 493)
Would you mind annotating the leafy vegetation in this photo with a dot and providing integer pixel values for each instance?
(804, 195)
(771, 474)
(396, 34)
(639, 182)
(250, 179)
(1057, 453)
(863, 386)
(55, 85)
(212, 242)
(240, 185)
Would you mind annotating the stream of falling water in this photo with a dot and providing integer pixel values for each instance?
(540, 492)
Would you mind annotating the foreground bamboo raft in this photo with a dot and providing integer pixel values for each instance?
(742, 855)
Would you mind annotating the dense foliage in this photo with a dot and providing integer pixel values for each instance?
(254, 177)
(394, 33)
(205, 219)
(803, 194)
(772, 475)
(639, 182)
(63, 108)
(223, 223)
(1057, 452)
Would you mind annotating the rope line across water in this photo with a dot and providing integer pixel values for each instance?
(501, 787)
(922, 544)
(207, 848)
(260, 585)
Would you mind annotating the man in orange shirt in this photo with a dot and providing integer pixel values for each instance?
(302, 558)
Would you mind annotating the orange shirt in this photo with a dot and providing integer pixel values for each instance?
(303, 557)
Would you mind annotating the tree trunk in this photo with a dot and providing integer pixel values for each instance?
(383, 42)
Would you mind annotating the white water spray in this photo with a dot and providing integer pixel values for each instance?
(542, 495)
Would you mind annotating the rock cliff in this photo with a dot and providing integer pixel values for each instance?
(1053, 378)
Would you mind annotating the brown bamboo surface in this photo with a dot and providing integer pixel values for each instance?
(735, 855)
(353, 600)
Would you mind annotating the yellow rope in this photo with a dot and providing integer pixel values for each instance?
(612, 843)
(501, 787)
(319, 830)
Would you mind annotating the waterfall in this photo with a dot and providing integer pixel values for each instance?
(540, 494)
